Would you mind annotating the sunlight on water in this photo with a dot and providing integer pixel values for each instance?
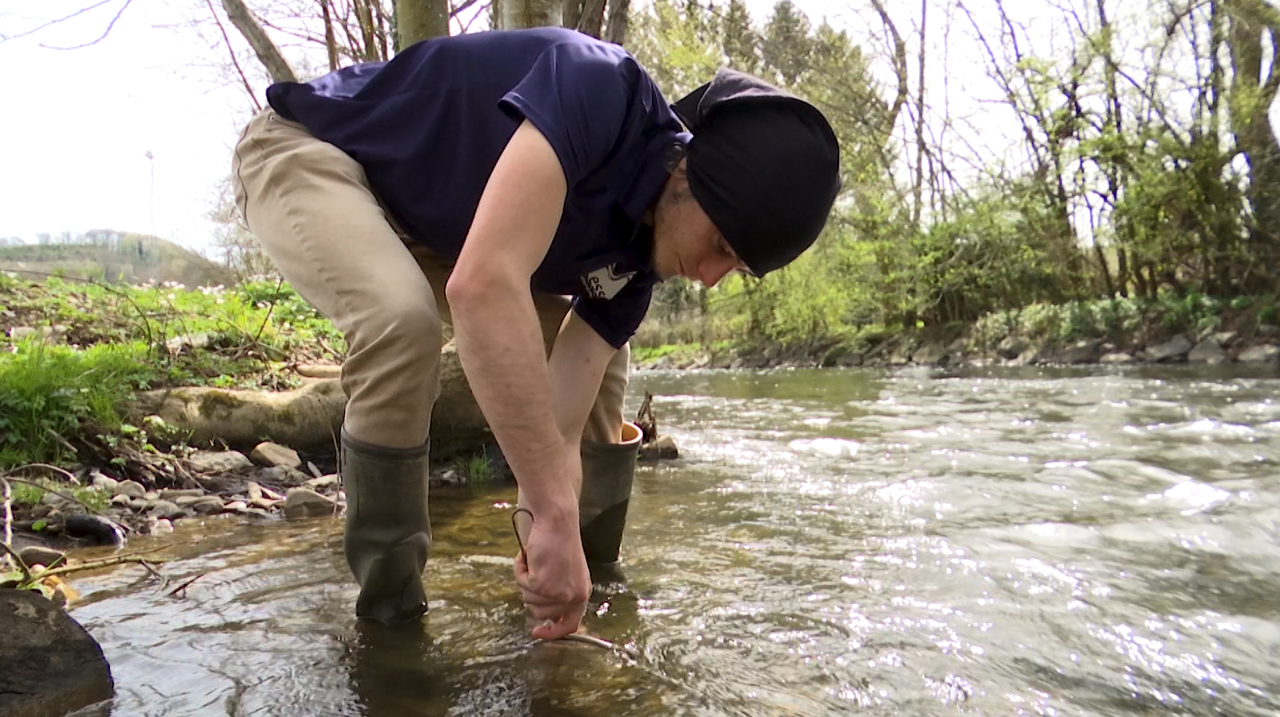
(997, 541)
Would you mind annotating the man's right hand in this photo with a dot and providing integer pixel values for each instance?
(552, 574)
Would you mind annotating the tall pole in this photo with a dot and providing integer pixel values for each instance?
(151, 159)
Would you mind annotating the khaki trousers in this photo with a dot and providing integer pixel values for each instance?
(311, 208)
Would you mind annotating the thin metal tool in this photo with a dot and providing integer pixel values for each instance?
(572, 637)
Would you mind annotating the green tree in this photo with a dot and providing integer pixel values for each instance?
(787, 42)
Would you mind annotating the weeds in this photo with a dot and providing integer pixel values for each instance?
(476, 469)
(92, 347)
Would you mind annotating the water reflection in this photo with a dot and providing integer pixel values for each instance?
(909, 542)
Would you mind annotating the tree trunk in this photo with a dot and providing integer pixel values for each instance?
(521, 14)
(266, 50)
(330, 42)
(417, 20)
(572, 13)
(616, 27)
(592, 19)
(918, 190)
(1251, 99)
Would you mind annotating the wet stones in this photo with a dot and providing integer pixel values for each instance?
(1266, 353)
(219, 461)
(40, 555)
(130, 489)
(1175, 349)
(93, 528)
(304, 502)
(49, 664)
(1208, 351)
(272, 454)
(660, 448)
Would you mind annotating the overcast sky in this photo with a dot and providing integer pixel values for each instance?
(77, 125)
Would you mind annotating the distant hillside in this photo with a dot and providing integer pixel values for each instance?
(116, 257)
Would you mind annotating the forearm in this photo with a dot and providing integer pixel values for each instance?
(501, 349)
(577, 365)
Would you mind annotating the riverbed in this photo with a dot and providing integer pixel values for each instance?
(916, 541)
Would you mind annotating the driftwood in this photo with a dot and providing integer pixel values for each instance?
(309, 418)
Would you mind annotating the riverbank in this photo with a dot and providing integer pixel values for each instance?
(1105, 332)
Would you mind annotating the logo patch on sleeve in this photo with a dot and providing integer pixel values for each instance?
(606, 282)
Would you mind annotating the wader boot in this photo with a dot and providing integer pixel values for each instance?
(388, 532)
(608, 470)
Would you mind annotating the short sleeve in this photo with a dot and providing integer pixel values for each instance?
(579, 96)
(616, 319)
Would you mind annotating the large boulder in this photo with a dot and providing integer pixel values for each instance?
(1173, 350)
(1208, 351)
(308, 418)
(931, 354)
(1264, 353)
(1081, 352)
(49, 665)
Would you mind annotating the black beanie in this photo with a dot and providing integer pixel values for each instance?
(763, 164)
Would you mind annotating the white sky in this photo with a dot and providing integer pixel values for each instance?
(76, 125)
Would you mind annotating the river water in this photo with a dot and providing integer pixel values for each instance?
(917, 542)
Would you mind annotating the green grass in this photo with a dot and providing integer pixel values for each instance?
(476, 469)
(118, 340)
(26, 495)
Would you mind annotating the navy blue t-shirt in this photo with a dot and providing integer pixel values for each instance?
(428, 127)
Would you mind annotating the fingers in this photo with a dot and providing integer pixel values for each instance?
(566, 625)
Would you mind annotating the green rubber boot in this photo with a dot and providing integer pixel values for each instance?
(388, 532)
(608, 471)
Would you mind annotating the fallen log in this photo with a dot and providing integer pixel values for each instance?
(309, 418)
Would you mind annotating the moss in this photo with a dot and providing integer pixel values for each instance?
(286, 417)
(219, 404)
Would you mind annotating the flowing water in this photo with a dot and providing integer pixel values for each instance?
(917, 542)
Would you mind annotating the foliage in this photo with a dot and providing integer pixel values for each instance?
(477, 469)
(1147, 174)
(1119, 319)
(114, 341)
(25, 494)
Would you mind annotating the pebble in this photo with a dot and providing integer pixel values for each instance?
(165, 509)
(131, 488)
(151, 495)
(264, 503)
(219, 461)
(236, 506)
(274, 454)
(104, 483)
(255, 491)
(39, 555)
(284, 476)
(123, 500)
(661, 448)
(103, 531)
(174, 494)
(322, 481)
(207, 504)
(161, 525)
(302, 502)
(271, 494)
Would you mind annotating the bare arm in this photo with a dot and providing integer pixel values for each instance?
(499, 340)
(501, 349)
(577, 365)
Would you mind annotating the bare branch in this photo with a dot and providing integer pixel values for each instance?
(248, 88)
(258, 39)
(899, 65)
(55, 22)
(101, 37)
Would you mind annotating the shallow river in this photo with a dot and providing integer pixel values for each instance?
(917, 542)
